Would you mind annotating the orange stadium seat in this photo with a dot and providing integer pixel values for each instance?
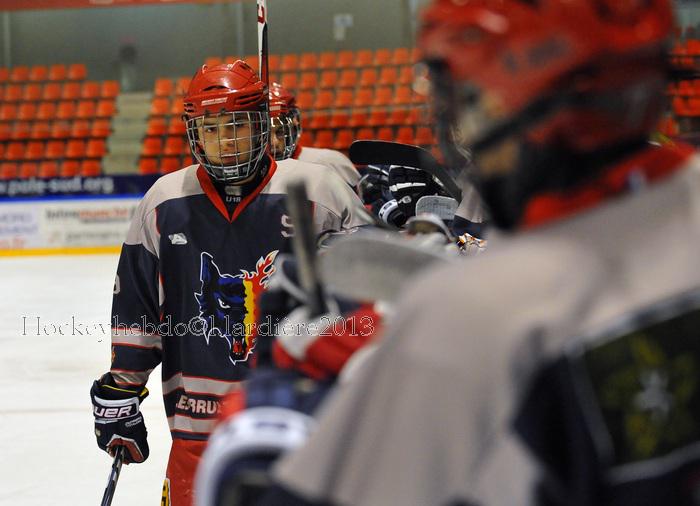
(324, 139)
(414, 117)
(160, 106)
(289, 80)
(48, 168)
(86, 109)
(106, 108)
(9, 170)
(405, 135)
(148, 166)
(26, 111)
(253, 61)
(344, 98)
(170, 164)
(319, 120)
(339, 120)
(289, 63)
(383, 96)
(308, 61)
(57, 72)
(343, 139)
(308, 81)
(388, 76)
(55, 150)
(368, 77)
(28, 170)
(424, 136)
(40, 130)
(76, 72)
(324, 99)
(348, 78)
(90, 168)
(69, 168)
(177, 107)
(4, 74)
(31, 92)
(38, 73)
(385, 134)
(211, 61)
(51, 92)
(404, 95)
(305, 99)
(75, 148)
(364, 97)
(21, 130)
(2, 92)
(90, 89)
(34, 150)
(176, 126)
(378, 117)
(13, 93)
(364, 58)
(345, 59)
(19, 74)
(273, 63)
(406, 75)
(60, 130)
(382, 57)
(152, 146)
(181, 85)
(70, 91)
(357, 119)
(5, 133)
(109, 89)
(101, 128)
(46, 111)
(8, 112)
(364, 134)
(80, 129)
(329, 79)
(156, 126)
(95, 148)
(14, 151)
(174, 146)
(401, 56)
(163, 87)
(326, 60)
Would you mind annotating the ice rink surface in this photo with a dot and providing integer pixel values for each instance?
(48, 453)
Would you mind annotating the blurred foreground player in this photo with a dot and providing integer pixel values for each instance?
(286, 133)
(564, 366)
(199, 253)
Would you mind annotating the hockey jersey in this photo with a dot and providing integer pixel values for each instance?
(571, 378)
(189, 276)
(340, 163)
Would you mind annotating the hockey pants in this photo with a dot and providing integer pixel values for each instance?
(179, 476)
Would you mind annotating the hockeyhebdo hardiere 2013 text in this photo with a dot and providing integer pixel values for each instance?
(198, 326)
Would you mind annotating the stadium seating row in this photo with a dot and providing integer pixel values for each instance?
(58, 129)
(52, 92)
(50, 168)
(83, 109)
(42, 73)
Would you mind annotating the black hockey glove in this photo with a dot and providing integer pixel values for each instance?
(407, 185)
(118, 421)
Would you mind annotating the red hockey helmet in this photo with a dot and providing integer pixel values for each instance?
(555, 83)
(285, 118)
(227, 121)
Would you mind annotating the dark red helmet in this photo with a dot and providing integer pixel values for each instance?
(558, 83)
(285, 118)
(227, 120)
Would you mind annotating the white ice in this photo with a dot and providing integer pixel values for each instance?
(48, 453)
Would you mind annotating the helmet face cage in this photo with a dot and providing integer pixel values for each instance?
(235, 141)
(287, 129)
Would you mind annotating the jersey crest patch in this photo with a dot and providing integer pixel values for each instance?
(227, 303)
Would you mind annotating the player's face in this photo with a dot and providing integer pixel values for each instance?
(226, 139)
(277, 138)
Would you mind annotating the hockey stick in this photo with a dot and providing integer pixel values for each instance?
(263, 52)
(304, 244)
(395, 153)
(113, 476)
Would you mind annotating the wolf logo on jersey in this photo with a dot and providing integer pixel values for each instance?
(227, 303)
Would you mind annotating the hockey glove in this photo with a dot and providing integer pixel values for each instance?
(118, 420)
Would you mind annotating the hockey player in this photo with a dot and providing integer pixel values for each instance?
(286, 135)
(561, 367)
(199, 251)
